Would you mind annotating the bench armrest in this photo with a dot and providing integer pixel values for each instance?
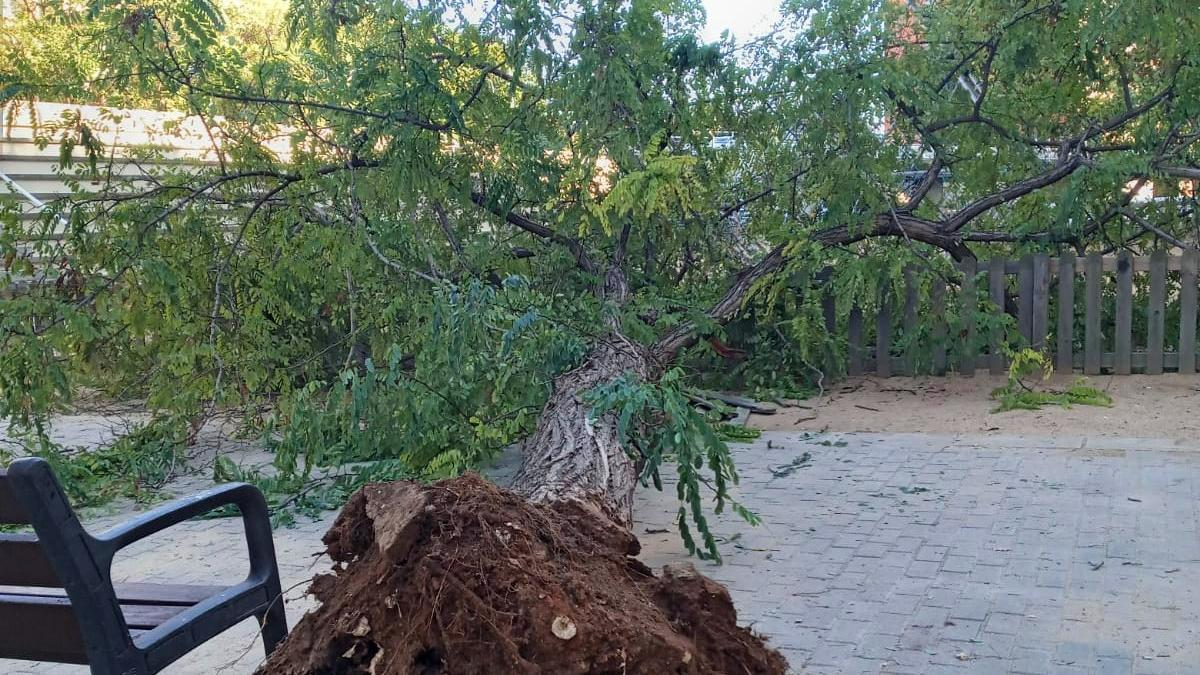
(248, 499)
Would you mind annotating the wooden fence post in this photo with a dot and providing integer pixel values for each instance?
(968, 305)
(1187, 311)
(1123, 358)
(1025, 299)
(854, 330)
(996, 289)
(937, 312)
(1091, 335)
(883, 334)
(829, 309)
(911, 302)
(1155, 313)
(1040, 319)
(1065, 361)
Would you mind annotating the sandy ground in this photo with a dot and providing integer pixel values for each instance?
(1163, 406)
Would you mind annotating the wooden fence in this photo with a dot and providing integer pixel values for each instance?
(1081, 310)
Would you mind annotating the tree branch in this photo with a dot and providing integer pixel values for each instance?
(1019, 189)
(539, 230)
(687, 333)
(1158, 231)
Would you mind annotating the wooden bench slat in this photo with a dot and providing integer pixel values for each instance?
(44, 628)
(11, 511)
(183, 595)
(40, 629)
(146, 617)
(23, 562)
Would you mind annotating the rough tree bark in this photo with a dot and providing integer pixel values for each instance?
(572, 456)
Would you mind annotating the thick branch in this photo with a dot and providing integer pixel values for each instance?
(687, 332)
(1019, 189)
(902, 225)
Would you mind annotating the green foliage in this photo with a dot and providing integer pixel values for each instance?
(471, 386)
(325, 489)
(734, 432)
(1025, 390)
(659, 421)
(135, 466)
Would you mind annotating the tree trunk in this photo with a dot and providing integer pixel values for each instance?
(573, 456)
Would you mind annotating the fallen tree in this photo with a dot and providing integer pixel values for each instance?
(515, 227)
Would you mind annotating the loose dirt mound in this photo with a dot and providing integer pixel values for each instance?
(463, 577)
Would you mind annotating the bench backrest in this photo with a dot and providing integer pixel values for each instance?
(61, 554)
(23, 561)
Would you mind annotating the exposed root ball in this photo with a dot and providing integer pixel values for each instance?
(462, 577)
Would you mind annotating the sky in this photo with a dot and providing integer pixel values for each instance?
(744, 18)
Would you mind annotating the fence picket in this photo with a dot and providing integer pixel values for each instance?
(937, 312)
(829, 309)
(1155, 313)
(854, 331)
(1187, 311)
(1122, 359)
(931, 347)
(967, 311)
(911, 303)
(1040, 318)
(1025, 299)
(1091, 335)
(883, 335)
(1065, 361)
(996, 290)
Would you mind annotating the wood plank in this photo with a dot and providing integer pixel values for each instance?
(1064, 358)
(854, 330)
(1091, 332)
(937, 311)
(11, 511)
(1187, 311)
(968, 304)
(1174, 263)
(183, 595)
(911, 303)
(1041, 301)
(1156, 313)
(40, 629)
(996, 290)
(1123, 348)
(1170, 361)
(149, 616)
(44, 628)
(883, 334)
(1025, 299)
(23, 562)
(829, 310)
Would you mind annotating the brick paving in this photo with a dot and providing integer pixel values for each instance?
(885, 554)
(925, 554)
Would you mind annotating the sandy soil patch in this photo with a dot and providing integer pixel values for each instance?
(1163, 406)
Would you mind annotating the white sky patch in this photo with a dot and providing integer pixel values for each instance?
(744, 19)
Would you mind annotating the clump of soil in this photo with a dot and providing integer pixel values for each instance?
(462, 577)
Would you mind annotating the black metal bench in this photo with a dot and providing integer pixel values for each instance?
(58, 602)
